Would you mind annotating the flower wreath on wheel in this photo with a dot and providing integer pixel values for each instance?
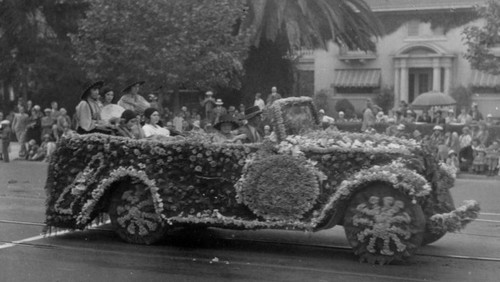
(281, 187)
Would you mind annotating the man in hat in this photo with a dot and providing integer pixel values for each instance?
(218, 111)
(259, 101)
(252, 124)
(131, 100)
(89, 109)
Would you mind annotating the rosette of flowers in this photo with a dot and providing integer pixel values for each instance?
(279, 187)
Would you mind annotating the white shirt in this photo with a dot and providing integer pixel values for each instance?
(151, 130)
(260, 103)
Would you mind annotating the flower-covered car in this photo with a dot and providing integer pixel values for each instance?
(388, 193)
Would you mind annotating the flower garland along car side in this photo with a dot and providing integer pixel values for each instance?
(388, 193)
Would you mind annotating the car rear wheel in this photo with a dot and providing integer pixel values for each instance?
(133, 215)
(382, 224)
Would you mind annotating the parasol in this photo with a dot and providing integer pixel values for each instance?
(433, 98)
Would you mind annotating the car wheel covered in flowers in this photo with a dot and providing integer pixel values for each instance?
(389, 194)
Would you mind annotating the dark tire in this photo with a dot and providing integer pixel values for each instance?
(382, 224)
(133, 215)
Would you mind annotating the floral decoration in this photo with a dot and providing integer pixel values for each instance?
(455, 220)
(395, 173)
(279, 187)
(387, 223)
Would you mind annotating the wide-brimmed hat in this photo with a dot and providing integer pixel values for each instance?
(252, 111)
(209, 93)
(438, 127)
(219, 102)
(227, 119)
(131, 82)
(47, 110)
(450, 152)
(401, 127)
(90, 85)
(5, 121)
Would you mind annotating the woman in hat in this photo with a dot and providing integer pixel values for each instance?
(208, 104)
(224, 127)
(88, 111)
(131, 100)
(151, 128)
(251, 128)
(129, 125)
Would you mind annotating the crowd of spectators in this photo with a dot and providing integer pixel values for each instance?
(471, 150)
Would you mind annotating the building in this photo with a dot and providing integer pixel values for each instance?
(421, 51)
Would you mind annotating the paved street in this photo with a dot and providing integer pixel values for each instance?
(225, 255)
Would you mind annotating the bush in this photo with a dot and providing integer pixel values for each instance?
(385, 99)
(463, 96)
(346, 106)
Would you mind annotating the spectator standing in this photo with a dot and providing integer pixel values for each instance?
(464, 117)
(424, 118)
(475, 114)
(452, 160)
(273, 96)
(186, 115)
(453, 142)
(438, 118)
(208, 104)
(19, 127)
(259, 102)
(177, 122)
(153, 102)
(466, 154)
(131, 100)
(450, 118)
(368, 117)
(482, 133)
(34, 128)
(61, 121)
(5, 136)
(218, 111)
(54, 110)
(492, 156)
(47, 123)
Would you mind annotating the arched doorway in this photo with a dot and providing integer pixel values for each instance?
(420, 68)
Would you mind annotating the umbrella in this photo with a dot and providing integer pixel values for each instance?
(433, 98)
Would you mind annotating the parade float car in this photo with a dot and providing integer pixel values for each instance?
(389, 194)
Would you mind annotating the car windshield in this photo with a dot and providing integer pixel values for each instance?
(298, 118)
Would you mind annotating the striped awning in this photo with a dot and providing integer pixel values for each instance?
(356, 78)
(482, 79)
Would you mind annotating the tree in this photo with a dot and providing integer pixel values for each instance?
(479, 40)
(34, 49)
(312, 24)
(177, 43)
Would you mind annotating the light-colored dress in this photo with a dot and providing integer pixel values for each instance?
(155, 130)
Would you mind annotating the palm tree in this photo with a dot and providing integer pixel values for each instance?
(312, 23)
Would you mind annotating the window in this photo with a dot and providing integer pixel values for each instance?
(413, 28)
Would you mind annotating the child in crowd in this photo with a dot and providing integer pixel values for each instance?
(479, 161)
(452, 160)
(492, 156)
(32, 149)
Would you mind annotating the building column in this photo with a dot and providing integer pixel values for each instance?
(397, 90)
(447, 80)
(436, 75)
(404, 83)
